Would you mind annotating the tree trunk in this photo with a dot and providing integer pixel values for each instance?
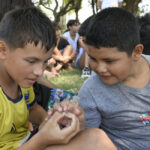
(93, 6)
(77, 15)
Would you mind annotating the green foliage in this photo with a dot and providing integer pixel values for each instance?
(68, 79)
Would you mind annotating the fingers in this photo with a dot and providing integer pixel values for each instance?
(74, 128)
(67, 106)
(50, 113)
(71, 106)
(56, 117)
(75, 122)
(56, 134)
(58, 107)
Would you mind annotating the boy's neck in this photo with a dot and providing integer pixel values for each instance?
(8, 85)
(72, 35)
(13, 93)
(140, 76)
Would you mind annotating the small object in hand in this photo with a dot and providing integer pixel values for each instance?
(65, 121)
(68, 115)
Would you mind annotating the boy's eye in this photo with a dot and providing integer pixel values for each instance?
(109, 61)
(31, 61)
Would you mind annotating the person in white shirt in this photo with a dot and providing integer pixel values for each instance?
(102, 4)
(72, 33)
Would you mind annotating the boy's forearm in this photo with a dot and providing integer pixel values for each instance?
(35, 143)
(46, 83)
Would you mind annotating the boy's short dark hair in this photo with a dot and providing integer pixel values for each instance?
(7, 5)
(56, 26)
(28, 25)
(114, 27)
(72, 22)
(84, 26)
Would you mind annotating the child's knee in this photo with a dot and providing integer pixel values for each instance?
(94, 132)
(99, 139)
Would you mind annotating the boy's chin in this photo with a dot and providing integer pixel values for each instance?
(25, 85)
(110, 82)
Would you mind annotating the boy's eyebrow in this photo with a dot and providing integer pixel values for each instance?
(36, 58)
(110, 59)
(105, 59)
(91, 56)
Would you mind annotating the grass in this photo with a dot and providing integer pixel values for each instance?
(68, 79)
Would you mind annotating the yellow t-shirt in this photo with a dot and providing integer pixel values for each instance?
(14, 118)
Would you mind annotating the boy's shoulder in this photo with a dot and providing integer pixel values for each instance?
(94, 81)
(66, 33)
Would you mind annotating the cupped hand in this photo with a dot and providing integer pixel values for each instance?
(72, 107)
(55, 132)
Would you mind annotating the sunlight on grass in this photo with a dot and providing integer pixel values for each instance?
(68, 79)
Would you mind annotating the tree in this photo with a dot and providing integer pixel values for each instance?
(78, 4)
(75, 5)
(132, 6)
(58, 11)
(93, 5)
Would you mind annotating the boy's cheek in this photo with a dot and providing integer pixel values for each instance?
(92, 65)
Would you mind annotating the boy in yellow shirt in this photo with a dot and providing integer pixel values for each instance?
(27, 39)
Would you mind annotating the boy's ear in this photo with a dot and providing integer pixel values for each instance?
(137, 52)
(3, 50)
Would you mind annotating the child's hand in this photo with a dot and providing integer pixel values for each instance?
(54, 132)
(70, 106)
(67, 106)
(50, 114)
(65, 121)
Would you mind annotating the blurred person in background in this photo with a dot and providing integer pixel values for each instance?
(102, 4)
(63, 53)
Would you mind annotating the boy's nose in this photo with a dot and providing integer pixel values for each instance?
(38, 70)
(101, 68)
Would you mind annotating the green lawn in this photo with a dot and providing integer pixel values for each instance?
(68, 79)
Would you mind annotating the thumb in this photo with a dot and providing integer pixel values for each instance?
(56, 117)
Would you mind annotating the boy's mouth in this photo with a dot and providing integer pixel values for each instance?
(31, 81)
(105, 77)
